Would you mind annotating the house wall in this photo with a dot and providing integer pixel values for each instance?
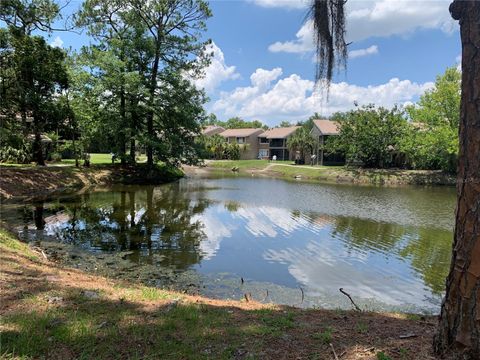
(248, 150)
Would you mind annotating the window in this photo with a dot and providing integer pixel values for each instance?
(263, 140)
(263, 153)
(240, 140)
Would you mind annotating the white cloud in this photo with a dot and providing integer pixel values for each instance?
(289, 4)
(217, 72)
(382, 18)
(363, 52)
(273, 99)
(458, 61)
(57, 42)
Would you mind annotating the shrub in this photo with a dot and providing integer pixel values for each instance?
(10, 154)
(56, 156)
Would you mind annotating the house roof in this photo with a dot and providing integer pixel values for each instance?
(279, 133)
(327, 127)
(240, 132)
(212, 129)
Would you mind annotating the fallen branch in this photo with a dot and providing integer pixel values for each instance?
(353, 302)
(333, 350)
(37, 249)
(407, 336)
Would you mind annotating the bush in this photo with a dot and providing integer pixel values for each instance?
(67, 150)
(9, 154)
(56, 156)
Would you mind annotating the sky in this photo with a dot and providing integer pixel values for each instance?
(263, 66)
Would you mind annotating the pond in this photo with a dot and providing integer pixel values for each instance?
(272, 240)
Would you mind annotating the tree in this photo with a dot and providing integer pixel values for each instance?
(173, 31)
(459, 327)
(31, 87)
(440, 106)
(285, 123)
(302, 141)
(370, 135)
(432, 142)
(238, 123)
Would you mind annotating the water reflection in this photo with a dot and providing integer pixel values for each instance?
(235, 227)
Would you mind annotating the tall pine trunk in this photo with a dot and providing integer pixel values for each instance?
(459, 327)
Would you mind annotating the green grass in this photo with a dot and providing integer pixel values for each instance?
(9, 242)
(283, 168)
(325, 336)
(101, 159)
(241, 164)
(95, 159)
(361, 327)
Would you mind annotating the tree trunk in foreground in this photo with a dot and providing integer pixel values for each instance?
(459, 327)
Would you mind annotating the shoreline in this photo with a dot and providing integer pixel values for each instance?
(332, 175)
(46, 304)
(23, 183)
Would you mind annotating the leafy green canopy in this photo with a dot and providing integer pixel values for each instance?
(370, 135)
(235, 123)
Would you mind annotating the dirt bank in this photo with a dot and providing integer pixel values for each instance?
(16, 182)
(49, 311)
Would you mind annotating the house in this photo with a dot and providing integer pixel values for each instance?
(211, 130)
(274, 142)
(322, 130)
(246, 138)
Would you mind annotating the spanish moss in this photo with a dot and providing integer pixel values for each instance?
(328, 17)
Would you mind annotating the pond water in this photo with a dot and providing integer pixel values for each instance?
(284, 242)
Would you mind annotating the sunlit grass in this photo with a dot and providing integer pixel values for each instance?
(102, 159)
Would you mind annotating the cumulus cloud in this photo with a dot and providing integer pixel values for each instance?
(217, 72)
(363, 52)
(57, 42)
(271, 98)
(382, 18)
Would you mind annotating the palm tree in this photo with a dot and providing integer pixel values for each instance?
(302, 141)
(459, 326)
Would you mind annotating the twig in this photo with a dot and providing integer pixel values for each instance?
(353, 302)
(407, 336)
(303, 294)
(333, 350)
(37, 249)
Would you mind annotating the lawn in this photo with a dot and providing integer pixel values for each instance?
(101, 159)
(242, 164)
(95, 159)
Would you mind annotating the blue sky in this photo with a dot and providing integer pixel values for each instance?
(263, 65)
